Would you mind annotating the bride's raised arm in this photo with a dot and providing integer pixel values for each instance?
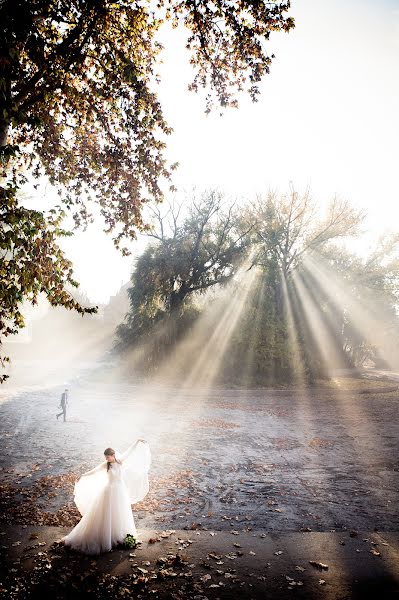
(127, 452)
(96, 469)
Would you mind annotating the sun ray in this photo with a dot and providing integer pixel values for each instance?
(205, 370)
(361, 428)
(254, 334)
(366, 316)
(329, 352)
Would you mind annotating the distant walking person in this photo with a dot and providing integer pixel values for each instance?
(63, 404)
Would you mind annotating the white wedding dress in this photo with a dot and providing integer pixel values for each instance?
(104, 498)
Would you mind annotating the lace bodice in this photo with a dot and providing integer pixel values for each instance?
(115, 473)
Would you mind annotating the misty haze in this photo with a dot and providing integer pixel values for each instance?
(199, 285)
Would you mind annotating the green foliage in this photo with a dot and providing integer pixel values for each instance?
(259, 352)
(199, 252)
(78, 106)
(286, 229)
(76, 93)
(227, 40)
(340, 319)
(31, 263)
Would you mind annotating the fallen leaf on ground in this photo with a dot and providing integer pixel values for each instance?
(166, 534)
(319, 565)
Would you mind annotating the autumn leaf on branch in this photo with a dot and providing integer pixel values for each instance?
(78, 108)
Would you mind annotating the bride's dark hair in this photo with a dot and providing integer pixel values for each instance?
(110, 452)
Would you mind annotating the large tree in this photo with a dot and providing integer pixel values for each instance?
(341, 306)
(289, 226)
(313, 305)
(286, 230)
(191, 254)
(78, 106)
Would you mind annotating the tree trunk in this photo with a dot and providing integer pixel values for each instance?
(279, 299)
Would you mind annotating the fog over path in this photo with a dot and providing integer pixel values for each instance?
(278, 460)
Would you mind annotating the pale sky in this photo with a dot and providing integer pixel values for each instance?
(327, 118)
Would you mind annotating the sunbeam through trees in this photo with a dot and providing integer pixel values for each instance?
(313, 304)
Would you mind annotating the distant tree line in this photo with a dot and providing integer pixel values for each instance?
(314, 305)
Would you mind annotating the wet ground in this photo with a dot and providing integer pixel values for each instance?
(274, 460)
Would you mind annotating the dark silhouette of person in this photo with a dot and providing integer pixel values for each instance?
(63, 404)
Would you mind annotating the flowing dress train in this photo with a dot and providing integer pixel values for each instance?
(104, 498)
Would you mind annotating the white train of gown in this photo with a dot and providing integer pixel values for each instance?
(104, 498)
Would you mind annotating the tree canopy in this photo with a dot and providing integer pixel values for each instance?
(78, 106)
(289, 226)
(342, 308)
(77, 99)
(190, 254)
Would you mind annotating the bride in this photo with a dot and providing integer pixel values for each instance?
(104, 497)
